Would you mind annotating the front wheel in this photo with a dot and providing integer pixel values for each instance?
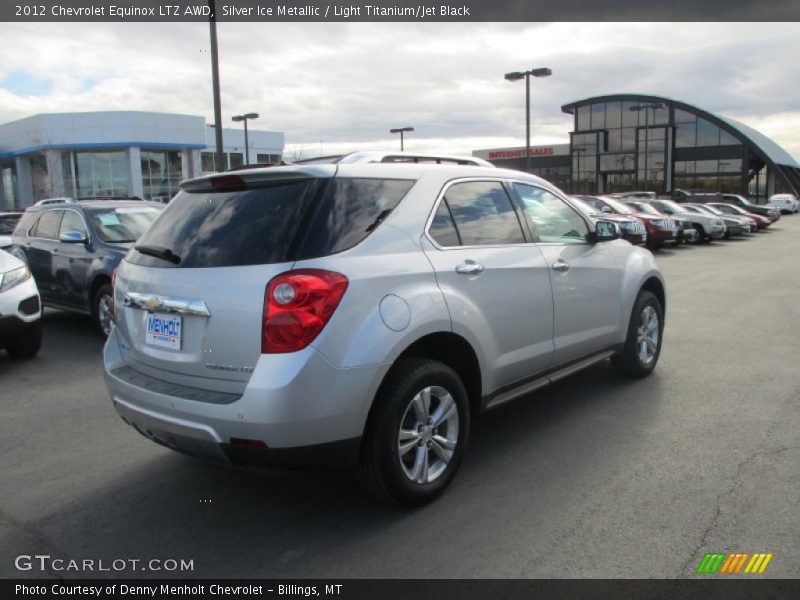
(102, 309)
(417, 433)
(643, 343)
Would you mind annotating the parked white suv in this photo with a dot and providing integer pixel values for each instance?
(20, 309)
(786, 203)
(364, 314)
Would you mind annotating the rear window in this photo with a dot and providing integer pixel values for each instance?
(288, 220)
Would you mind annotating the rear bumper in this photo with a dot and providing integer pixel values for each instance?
(296, 410)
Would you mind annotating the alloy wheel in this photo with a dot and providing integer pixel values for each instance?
(428, 434)
(647, 335)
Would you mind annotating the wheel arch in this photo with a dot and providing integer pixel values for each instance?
(454, 351)
(655, 286)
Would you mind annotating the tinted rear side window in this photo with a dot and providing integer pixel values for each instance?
(348, 211)
(47, 227)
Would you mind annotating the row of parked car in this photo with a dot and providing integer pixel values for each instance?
(645, 219)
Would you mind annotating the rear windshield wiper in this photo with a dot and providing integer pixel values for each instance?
(158, 252)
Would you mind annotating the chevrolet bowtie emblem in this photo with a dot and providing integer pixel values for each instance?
(152, 303)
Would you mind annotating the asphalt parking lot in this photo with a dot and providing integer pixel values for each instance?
(594, 477)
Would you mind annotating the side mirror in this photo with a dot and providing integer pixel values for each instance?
(606, 231)
(606, 209)
(72, 237)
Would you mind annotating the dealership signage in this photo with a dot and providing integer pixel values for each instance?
(505, 153)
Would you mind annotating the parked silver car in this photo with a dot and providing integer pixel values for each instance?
(363, 314)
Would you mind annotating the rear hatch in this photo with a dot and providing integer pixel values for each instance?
(190, 296)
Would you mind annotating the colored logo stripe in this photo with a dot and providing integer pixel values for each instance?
(711, 562)
(734, 563)
(758, 563)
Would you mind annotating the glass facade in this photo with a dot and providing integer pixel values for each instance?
(91, 174)
(623, 145)
(9, 187)
(162, 172)
(584, 162)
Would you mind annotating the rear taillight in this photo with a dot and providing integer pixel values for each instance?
(297, 305)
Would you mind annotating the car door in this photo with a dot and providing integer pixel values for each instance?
(586, 281)
(71, 262)
(42, 241)
(495, 282)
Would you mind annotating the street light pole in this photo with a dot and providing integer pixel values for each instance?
(244, 118)
(219, 157)
(401, 131)
(516, 76)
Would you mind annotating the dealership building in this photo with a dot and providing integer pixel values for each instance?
(625, 142)
(116, 153)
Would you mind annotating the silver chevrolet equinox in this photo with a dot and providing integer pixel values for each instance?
(363, 314)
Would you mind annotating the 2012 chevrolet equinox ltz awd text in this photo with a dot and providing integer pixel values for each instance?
(364, 314)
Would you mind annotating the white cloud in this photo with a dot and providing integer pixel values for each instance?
(347, 84)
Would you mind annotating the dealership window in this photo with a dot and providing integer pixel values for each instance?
(722, 175)
(583, 118)
(584, 162)
(613, 115)
(235, 159)
(269, 159)
(207, 162)
(650, 167)
(162, 172)
(599, 115)
(9, 187)
(92, 174)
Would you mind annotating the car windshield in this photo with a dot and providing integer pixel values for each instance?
(646, 208)
(713, 210)
(586, 207)
(617, 206)
(123, 224)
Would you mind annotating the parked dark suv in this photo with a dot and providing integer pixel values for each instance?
(72, 248)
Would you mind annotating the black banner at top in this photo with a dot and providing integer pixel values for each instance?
(398, 10)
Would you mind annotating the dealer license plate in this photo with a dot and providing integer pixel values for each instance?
(163, 330)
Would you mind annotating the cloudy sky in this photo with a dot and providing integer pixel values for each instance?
(334, 87)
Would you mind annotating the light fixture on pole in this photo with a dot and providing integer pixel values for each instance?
(401, 131)
(244, 118)
(526, 75)
(646, 108)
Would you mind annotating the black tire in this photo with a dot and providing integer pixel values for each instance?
(29, 345)
(380, 469)
(104, 292)
(701, 234)
(629, 361)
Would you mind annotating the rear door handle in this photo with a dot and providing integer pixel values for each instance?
(561, 266)
(469, 267)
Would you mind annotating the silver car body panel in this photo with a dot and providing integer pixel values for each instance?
(520, 315)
